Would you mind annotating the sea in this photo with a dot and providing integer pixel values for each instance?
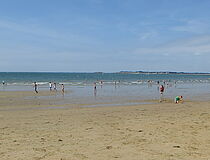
(111, 88)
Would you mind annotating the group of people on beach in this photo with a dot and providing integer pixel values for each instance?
(52, 87)
(178, 99)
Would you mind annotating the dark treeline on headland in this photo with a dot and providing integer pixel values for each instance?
(160, 72)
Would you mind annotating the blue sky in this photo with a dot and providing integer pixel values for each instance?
(104, 35)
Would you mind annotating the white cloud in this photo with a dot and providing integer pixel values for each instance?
(193, 26)
(147, 35)
(197, 54)
(194, 46)
(49, 34)
(42, 31)
(26, 28)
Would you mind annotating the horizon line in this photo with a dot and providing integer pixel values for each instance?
(106, 72)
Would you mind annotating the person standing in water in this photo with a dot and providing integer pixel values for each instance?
(115, 84)
(94, 84)
(161, 92)
(95, 89)
(101, 83)
(55, 89)
(35, 87)
(62, 88)
(50, 86)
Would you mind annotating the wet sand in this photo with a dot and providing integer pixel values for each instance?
(151, 131)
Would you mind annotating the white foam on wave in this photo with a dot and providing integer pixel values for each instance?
(42, 83)
(88, 83)
(19, 84)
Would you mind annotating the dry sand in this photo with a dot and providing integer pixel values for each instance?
(163, 131)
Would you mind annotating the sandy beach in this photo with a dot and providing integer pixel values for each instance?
(34, 130)
(104, 80)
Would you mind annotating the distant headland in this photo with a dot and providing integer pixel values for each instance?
(164, 72)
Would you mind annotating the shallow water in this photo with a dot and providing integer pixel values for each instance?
(120, 94)
(131, 88)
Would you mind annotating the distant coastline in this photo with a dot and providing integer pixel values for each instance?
(165, 72)
(120, 72)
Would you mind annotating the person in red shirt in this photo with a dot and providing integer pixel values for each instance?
(161, 92)
(161, 89)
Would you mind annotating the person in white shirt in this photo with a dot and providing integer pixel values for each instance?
(50, 86)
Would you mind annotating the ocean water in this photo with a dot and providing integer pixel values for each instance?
(26, 78)
(117, 88)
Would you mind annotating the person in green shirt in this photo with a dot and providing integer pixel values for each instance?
(178, 99)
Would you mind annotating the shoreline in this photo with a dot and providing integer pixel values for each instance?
(22, 99)
(14, 99)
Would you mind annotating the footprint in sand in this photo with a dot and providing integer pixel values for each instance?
(204, 116)
(39, 149)
(108, 147)
(89, 128)
(117, 156)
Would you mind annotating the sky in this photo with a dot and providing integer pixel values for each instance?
(104, 35)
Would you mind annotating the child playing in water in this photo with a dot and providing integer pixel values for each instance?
(178, 99)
